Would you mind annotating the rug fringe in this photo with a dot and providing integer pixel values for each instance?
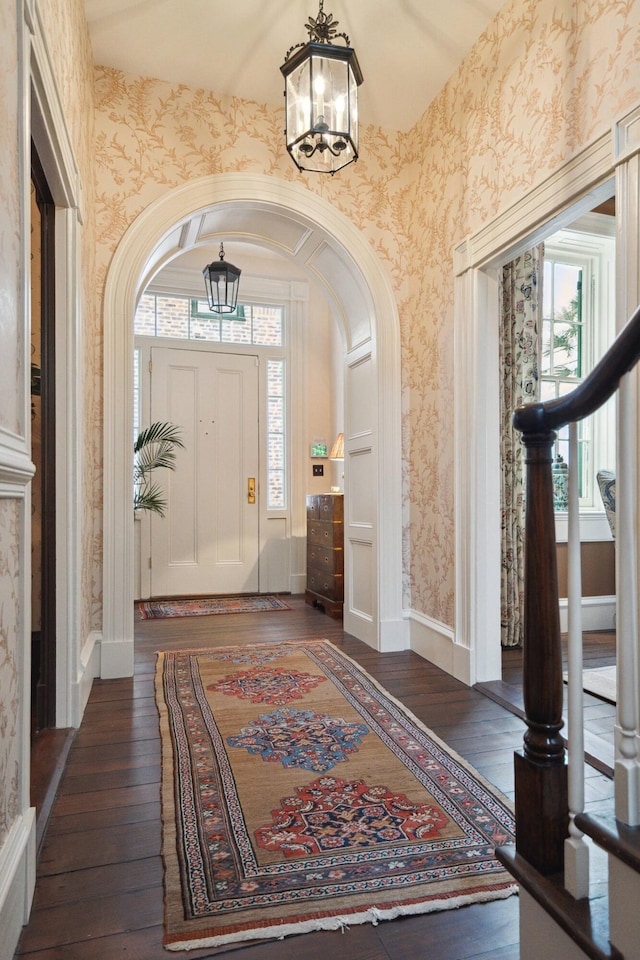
(372, 915)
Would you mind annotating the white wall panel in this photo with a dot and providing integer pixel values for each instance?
(361, 578)
(361, 397)
(361, 495)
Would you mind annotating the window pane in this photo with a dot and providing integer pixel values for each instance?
(136, 394)
(203, 325)
(172, 317)
(275, 383)
(562, 345)
(276, 412)
(205, 330)
(267, 326)
(565, 291)
(144, 322)
(276, 452)
(547, 390)
(236, 331)
(276, 490)
(565, 387)
(566, 343)
(276, 446)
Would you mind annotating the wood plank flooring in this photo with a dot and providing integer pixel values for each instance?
(598, 650)
(99, 891)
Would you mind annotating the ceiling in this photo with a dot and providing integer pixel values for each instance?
(407, 49)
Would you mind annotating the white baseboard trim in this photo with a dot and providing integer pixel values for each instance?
(298, 583)
(116, 659)
(435, 642)
(394, 636)
(598, 613)
(17, 881)
(88, 670)
(360, 625)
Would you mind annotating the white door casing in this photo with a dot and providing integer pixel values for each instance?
(573, 189)
(208, 541)
(332, 251)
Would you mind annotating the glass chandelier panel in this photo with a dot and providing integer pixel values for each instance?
(321, 91)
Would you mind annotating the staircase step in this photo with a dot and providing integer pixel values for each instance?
(586, 922)
(616, 838)
(621, 843)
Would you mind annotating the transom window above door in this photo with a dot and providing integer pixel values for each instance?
(186, 318)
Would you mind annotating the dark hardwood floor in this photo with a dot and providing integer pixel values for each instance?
(99, 891)
(598, 650)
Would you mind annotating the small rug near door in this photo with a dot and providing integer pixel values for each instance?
(207, 606)
(600, 681)
(298, 795)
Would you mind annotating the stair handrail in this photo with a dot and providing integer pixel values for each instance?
(541, 802)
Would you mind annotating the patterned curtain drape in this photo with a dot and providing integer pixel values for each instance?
(521, 290)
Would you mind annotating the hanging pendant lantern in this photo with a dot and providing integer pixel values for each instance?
(222, 280)
(321, 98)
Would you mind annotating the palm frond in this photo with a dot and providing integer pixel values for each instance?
(154, 448)
(161, 454)
(158, 432)
(149, 497)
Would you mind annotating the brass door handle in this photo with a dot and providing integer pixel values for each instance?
(251, 490)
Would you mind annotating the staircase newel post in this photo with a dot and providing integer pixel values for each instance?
(541, 792)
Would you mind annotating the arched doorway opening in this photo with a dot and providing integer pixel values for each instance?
(309, 231)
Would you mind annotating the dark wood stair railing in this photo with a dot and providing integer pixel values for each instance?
(541, 804)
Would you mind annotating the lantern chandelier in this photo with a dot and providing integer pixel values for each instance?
(221, 280)
(321, 98)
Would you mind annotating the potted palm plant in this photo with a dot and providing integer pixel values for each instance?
(155, 447)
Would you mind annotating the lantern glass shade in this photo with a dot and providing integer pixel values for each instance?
(221, 280)
(321, 91)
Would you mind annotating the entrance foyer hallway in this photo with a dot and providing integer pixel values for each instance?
(100, 881)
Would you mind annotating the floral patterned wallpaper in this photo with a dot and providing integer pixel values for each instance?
(10, 693)
(67, 34)
(546, 78)
(543, 80)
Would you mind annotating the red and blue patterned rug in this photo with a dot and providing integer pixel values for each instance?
(207, 606)
(299, 795)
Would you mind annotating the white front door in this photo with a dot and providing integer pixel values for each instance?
(208, 541)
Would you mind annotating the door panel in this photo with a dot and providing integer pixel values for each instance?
(208, 541)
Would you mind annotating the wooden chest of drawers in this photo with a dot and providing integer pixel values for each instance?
(325, 552)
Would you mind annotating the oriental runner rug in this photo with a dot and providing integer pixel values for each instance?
(206, 606)
(299, 795)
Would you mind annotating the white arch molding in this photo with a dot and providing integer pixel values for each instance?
(348, 270)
